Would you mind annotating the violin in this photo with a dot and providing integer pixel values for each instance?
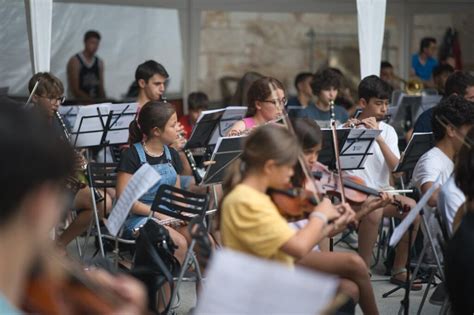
(355, 189)
(293, 203)
(57, 288)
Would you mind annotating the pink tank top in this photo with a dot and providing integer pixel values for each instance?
(249, 122)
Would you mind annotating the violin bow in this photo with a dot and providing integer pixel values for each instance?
(335, 145)
(446, 123)
(32, 92)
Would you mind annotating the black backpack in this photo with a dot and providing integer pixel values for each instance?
(154, 262)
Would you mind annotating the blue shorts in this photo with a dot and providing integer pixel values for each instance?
(133, 221)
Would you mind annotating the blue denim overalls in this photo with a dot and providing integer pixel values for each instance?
(168, 176)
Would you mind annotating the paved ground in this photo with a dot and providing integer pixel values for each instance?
(389, 305)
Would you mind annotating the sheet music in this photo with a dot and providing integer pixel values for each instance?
(231, 115)
(405, 224)
(241, 284)
(122, 116)
(89, 124)
(69, 114)
(141, 181)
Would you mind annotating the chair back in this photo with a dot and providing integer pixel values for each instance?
(102, 175)
(180, 204)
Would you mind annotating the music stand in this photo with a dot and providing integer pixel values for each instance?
(213, 124)
(418, 145)
(294, 111)
(355, 146)
(407, 109)
(227, 150)
(88, 129)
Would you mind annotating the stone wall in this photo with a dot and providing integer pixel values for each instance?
(277, 44)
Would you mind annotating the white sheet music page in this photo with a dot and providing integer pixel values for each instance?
(241, 284)
(122, 116)
(405, 224)
(141, 181)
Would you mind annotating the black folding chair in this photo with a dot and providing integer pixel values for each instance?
(190, 208)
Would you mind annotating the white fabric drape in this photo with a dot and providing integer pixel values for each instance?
(371, 24)
(39, 15)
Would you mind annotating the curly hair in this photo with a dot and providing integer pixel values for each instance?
(325, 79)
(454, 110)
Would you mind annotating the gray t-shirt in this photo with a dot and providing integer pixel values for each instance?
(322, 117)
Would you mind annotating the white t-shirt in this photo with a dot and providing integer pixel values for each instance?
(432, 164)
(376, 172)
(450, 198)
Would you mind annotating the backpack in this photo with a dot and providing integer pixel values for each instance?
(154, 261)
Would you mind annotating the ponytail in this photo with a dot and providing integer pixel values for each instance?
(135, 134)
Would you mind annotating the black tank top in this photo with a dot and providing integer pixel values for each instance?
(89, 77)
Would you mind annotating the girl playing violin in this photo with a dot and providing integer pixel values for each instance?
(350, 267)
(266, 99)
(250, 221)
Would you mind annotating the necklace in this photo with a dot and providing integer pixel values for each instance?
(151, 153)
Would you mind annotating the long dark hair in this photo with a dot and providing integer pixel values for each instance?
(309, 136)
(259, 91)
(152, 114)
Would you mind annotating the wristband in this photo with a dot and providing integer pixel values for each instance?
(319, 215)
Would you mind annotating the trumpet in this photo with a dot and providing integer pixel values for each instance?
(413, 86)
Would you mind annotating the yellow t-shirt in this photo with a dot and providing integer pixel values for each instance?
(251, 223)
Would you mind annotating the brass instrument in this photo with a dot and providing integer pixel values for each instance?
(413, 86)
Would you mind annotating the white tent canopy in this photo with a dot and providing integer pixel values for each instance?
(189, 12)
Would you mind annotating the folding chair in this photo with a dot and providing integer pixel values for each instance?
(188, 207)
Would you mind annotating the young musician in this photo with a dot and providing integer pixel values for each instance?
(250, 221)
(33, 197)
(47, 99)
(346, 265)
(197, 102)
(458, 83)
(151, 135)
(374, 98)
(304, 97)
(151, 78)
(451, 121)
(266, 99)
(459, 257)
(325, 86)
(85, 71)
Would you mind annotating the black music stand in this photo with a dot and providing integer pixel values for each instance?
(213, 124)
(227, 150)
(354, 147)
(418, 145)
(107, 127)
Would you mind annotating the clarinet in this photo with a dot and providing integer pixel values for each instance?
(188, 154)
(192, 163)
(80, 179)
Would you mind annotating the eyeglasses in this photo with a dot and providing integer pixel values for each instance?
(54, 100)
(277, 102)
